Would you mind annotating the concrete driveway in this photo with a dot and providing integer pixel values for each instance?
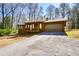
(43, 44)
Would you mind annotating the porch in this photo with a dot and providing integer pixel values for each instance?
(31, 27)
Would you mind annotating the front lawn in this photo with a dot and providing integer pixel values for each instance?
(73, 33)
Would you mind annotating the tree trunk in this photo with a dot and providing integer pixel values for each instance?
(3, 19)
(75, 21)
(12, 16)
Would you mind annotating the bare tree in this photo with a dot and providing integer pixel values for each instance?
(73, 15)
(21, 8)
(11, 12)
(76, 11)
(33, 11)
(40, 13)
(64, 9)
(2, 10)
(57, 12)
(50, 11)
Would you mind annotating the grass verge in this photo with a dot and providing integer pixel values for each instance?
(73, 33)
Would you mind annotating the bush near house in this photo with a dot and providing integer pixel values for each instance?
(7, 31)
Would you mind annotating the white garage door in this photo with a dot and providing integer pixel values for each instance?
(53, 27)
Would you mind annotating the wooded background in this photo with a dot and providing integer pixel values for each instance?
(12, 14)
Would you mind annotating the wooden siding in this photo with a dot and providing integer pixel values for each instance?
(42, 26)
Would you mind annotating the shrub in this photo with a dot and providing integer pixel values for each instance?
(6, 31)
(14, 31)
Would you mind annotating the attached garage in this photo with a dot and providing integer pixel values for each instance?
(55, 25)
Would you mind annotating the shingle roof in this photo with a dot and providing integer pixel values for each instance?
(41, 21)
(56, 20)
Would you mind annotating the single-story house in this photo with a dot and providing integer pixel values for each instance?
(56, 25)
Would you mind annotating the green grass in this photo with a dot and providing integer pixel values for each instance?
(8, 31)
